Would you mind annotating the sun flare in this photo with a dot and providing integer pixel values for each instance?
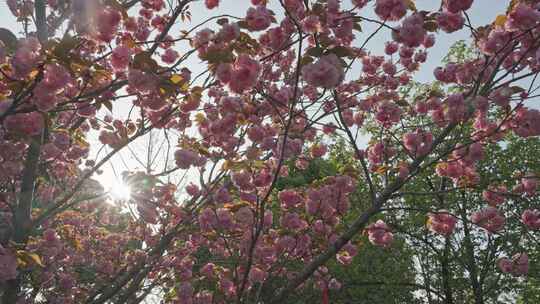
(120, 191)
(116, 188)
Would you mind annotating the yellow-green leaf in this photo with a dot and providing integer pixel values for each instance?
(233, 207)
(411, 5)
(24, 258)
(185, 87)
(176, 79)
(36, 259)
(500, 20)
(382, 170)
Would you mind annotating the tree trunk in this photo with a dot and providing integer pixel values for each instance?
(448, 297)
(471, 261)
(22, 220)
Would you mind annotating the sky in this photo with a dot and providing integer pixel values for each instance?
(482, 12)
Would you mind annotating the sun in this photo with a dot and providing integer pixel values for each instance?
(119, 191)
(115, 187)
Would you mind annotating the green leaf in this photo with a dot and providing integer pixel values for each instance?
(242, 24)
(8, 38)
(306, 60)
(431, 25)
(108, 105)
(63, 49)
(222, 21)
(517, 89)
(341, 51)
(143, 61)
(315, 51)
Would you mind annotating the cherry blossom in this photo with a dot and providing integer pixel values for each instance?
(390, 9)
(517, 266)
(258, 18)
(442, 223)
(327, 72)
(531, 218)
(380, 234)
(489, 218)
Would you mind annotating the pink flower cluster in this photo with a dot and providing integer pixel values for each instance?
(106, 23)
(242, 75)
(522, 17)
(418, 143)
(456, 109)
(411, 32)
(458, 172)
(442, 223)
(388, 113)
(141, 82)
(120, 58)
(187, 158)
(311, 24)
(380, 234)
(327, 72)
(497, 40)
(489, 218)
(27, 123)
(527, 185)
(147, 211)
(331, 200)
(526, 122)
(275, 38)
(379, 153)
(450, 22)
(318, 150)
(228, 32)
(289, 199)
(258, 18)
(391, 10)
(211, 4)
(531, 218)
(517, 266)
(26, 56)
(446, 74)
(293, 221)
(495, 195)
(46, 93)
(456, 6)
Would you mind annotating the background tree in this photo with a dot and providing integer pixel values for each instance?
(389, 277)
